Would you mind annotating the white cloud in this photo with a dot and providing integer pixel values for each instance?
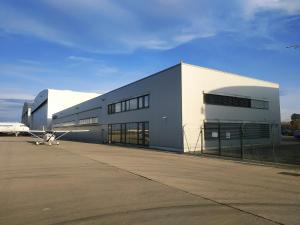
(10, 111)
(109, 26)
(17, 22)
(24, 71)
(107, 70)
(11, 103)
(81, 59)
(15, 93)
(29, 61)
(251, 7)
(95, 66)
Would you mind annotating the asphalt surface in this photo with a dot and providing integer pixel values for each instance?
(79, 183)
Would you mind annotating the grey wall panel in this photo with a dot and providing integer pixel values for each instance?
(93, 135)
(164, 113)
(39, 118)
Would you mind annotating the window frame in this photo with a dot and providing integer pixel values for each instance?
(131, 133)
(233, 101)
(142, 102)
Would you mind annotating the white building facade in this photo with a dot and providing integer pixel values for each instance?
(50, 101)
(182, 108)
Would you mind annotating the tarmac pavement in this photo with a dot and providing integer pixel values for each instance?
(80, 183)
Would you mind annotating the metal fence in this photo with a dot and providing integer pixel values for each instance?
(248, 141)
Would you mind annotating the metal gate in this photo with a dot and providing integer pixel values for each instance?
(234, 139)
(223, 139)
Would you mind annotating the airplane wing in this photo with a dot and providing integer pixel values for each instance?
(68, 131)
(37, 131)
(64, 132)
(60, 133)
(33, 133)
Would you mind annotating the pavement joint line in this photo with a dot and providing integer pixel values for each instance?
(167, 185)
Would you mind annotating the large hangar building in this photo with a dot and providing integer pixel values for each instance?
(50, 101)
(182, 108)
(26, 113)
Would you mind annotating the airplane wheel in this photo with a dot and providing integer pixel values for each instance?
(50, 144)
(57, 143)
(37, 143)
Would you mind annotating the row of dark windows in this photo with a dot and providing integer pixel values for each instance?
(225, 131)
(136, 133)
(140, 102)
(235, 101)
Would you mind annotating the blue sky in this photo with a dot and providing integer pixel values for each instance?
(98, 45)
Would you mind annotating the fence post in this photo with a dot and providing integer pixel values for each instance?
(219, 135)
(201, 140)
(242, 141)
(185, 138)
(273, 144)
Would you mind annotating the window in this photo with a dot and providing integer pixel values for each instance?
(65, 124)
(214, 99)
(141, 102)
(111, 109)
(131, 133)
(94, 120)
(123, 133)
(259, 104)
(115, 133)
(128, 105)
(91, 120)
(123, 106)
(146, 133)
(118, 107)
(146, 101)
(136, 133)
(140, 134)
(133, 103)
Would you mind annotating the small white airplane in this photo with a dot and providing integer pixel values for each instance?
(48, 137)
(51, 137)
(13, 128)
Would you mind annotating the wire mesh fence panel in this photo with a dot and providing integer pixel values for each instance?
(241, 140)
(258, 142)
(259, 153)
(231, 140)
(288, 151)
(249, 141)
(210, 139)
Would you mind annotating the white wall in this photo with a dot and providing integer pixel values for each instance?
(198, 80)
(62, 99)
(57, 100)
